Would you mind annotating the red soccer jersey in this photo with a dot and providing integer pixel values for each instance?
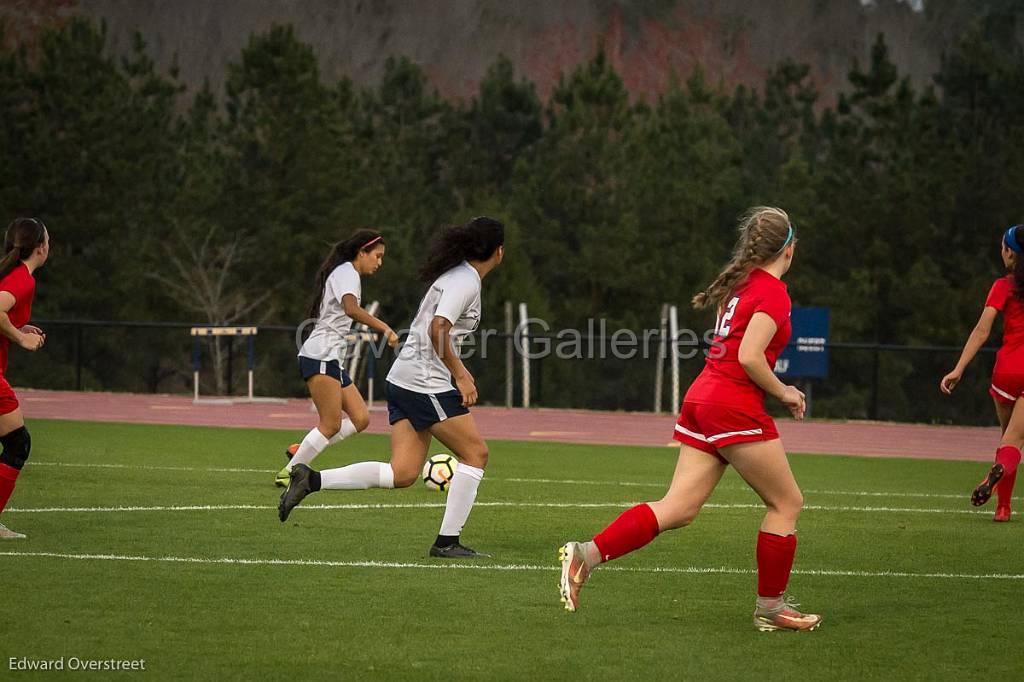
(1011, 355)
(22, 285)
(724, 381)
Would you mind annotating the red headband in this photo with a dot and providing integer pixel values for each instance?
(370, 243)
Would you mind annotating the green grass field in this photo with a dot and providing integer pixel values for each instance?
(903, 580)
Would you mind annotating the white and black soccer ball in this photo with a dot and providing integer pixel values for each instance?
(438, 471)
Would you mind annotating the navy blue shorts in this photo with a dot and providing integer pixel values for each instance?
(423, 410)
(308, 367)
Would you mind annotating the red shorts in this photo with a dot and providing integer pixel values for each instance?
(709, 427)
(8, 399)
(1006, 387)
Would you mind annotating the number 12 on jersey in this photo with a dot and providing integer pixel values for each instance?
(722, 320)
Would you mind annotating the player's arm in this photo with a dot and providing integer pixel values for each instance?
(756, 338)
(27, 340)
(440, 337)
(979, 335)
(357, 313)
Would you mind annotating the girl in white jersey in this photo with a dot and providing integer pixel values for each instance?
(422, 400)
(336, 304)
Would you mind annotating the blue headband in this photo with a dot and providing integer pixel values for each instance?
(1010, 239)
(789, 238)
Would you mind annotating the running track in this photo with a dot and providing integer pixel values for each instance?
(867, 439)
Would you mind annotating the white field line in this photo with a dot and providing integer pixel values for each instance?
(632, 484)
(147, 467)
(432, 505)
(698, 570)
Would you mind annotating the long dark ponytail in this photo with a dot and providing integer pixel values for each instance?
(23, 236)
(340, 253)
(476, 240)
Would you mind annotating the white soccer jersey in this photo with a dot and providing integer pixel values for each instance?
(327, 341)
(455, 296)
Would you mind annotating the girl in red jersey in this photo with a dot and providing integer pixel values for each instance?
(1006, 297)
(723, 421)
(26, 247)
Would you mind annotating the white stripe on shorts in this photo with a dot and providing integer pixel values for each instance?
(1003, 393)
(323, 367)
(437, 407)
(685, 431)
(748, 432)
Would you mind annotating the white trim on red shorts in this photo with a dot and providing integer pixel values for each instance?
(719, 436)
(1003, 393)
(687, 432)
(748, 432)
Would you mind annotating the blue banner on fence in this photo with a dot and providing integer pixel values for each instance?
(806, 356)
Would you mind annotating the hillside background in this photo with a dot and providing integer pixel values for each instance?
(454, 42)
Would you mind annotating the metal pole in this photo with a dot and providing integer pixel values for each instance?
(371, 374)
(509, 355)
(525, 345)
(78, 357)
(673, 330)
(197, 360)
(231, 361)
(874, 385)
(659, 378)
(252, 362)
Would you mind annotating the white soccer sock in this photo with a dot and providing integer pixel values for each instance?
(312, 445)
(347, 429)
(461, 496)
(358, 476)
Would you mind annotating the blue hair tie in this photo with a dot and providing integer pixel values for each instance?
(1010, 239)
(789, 238)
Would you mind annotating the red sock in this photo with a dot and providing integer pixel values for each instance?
(1004, 489)
(774, 562)
(634, 528)
(8, 477)
(1009, 457)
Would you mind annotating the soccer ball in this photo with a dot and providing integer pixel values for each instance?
(438, 471)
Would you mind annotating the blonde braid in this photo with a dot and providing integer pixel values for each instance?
(763, 230)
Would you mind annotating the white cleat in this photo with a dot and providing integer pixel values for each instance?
(574, 574)
(8, 534)
(785, 616)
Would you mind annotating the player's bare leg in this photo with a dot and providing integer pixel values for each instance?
(764, 466)
(326, 393)
(408, 452)
(696, 475)
(461, 436)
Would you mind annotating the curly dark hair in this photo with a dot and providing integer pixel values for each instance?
(476, 240)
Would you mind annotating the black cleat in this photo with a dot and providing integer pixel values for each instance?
(298, 488)
(456, 551)
(984, 490)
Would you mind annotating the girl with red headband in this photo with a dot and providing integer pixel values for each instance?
(1006, 297)
(336, 305)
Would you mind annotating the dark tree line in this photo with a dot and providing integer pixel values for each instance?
(216, 207)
